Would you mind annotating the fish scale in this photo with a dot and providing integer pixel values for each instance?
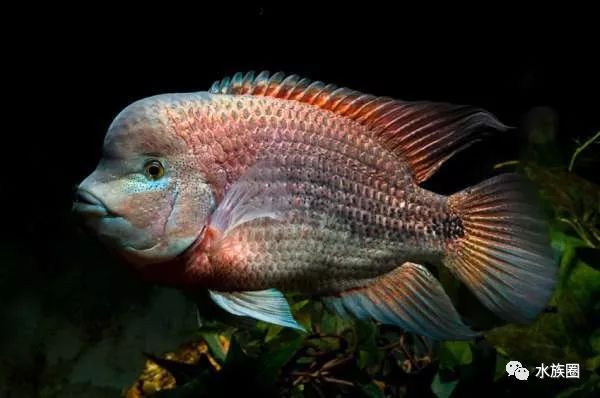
(322, 159)
(273, 182)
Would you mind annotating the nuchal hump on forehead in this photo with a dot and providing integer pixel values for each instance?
(148, 197)
(162, 122)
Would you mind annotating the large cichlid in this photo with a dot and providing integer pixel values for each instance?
(273, 183)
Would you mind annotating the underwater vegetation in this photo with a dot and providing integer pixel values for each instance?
(347, 357)
(158, 346)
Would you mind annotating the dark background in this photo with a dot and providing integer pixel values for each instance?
(76, 69)
(73, 70)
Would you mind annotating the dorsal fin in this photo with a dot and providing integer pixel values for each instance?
(425, 134)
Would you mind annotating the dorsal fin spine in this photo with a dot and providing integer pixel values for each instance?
(287, 85)
(383, 101)
(424, 134)
(247, 81)
(360, 103)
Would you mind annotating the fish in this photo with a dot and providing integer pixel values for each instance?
(268, 183)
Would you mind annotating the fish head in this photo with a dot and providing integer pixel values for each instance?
(147, 198)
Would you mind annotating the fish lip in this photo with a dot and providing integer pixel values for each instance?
(86, 203)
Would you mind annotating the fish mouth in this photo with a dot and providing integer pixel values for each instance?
(88, 204)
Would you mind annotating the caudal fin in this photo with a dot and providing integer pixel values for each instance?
(504, 255)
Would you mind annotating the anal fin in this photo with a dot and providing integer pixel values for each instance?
(265, 305)
(409, 297)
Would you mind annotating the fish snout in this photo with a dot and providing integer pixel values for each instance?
(86, 203)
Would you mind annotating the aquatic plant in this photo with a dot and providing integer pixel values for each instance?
(340, 357)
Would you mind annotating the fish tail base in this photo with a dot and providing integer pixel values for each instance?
(503, 254)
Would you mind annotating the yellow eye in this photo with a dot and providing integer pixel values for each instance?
(154, 169)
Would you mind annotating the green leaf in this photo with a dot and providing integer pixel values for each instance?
(500, 371)
(366, 333)
(363, 358)
(324, 344)
(304, 318)
(370, 355)
(299, 305)
(574, 201)
(584, 284)
(277, 354)
(333, 324)
(236, 355)
(272, 332)
(454, 354)
(593, 363)
(328, 323)
(589, 388)
(214, 345)
(543, 341)
(442, 389)
(595, 341)
(561, 336)
(371, 390)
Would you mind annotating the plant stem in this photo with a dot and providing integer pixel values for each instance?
(507, 163)
(338, 381)
(581, 148)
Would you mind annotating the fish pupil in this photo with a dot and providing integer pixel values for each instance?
(154, 170)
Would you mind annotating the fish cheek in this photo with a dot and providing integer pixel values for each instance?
(147, 211)
(192, 206)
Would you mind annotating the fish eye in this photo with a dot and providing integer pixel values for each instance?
(153, 169)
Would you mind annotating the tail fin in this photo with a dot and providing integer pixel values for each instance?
(504, 256)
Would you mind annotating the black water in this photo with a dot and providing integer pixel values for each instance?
(64, 298)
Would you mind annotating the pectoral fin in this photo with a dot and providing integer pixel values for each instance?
(255, 195)
(409, 297)
(265, 305)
